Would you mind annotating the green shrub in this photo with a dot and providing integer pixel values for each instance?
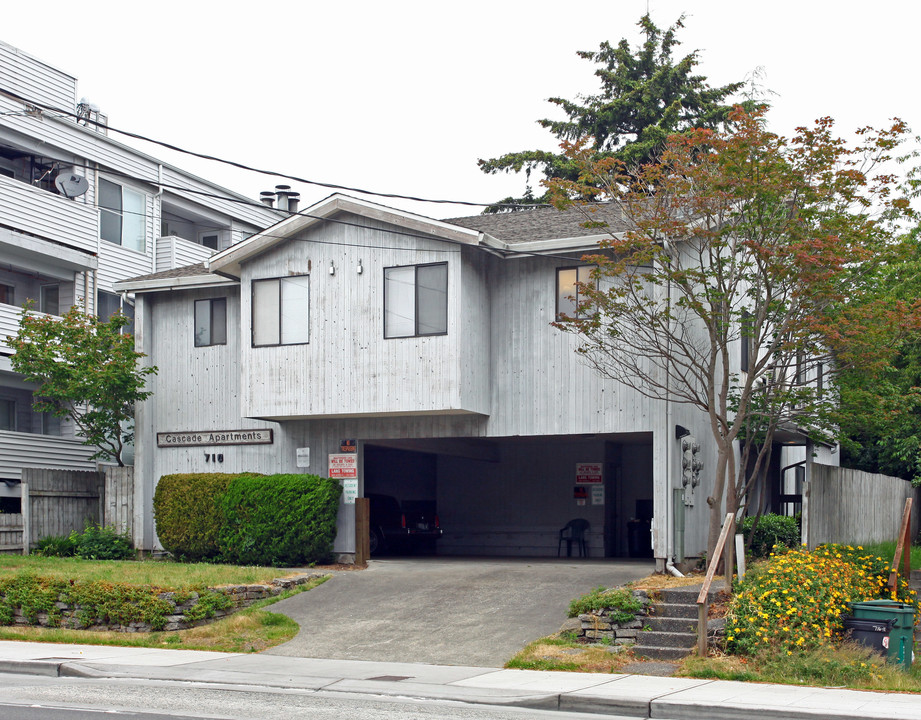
(771, 530)
(279, 519)
(621, 604)
(189, 514)
(57, 546)
(99, 542)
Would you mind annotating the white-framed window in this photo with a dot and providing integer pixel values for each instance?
(210, 322)
(49, 299)
(7, 414)
(281, 311)
(122, 216)
(416, 300)
(568, 296)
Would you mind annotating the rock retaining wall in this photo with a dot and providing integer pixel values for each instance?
(598, 627)
(185, 609)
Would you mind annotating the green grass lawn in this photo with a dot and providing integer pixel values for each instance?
(249, 630)
(886, 550)
(160, 573)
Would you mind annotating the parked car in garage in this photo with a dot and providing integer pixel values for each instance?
(412, 526)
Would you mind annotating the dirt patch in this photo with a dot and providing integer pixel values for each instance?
(662, 581)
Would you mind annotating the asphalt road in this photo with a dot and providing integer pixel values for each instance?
(444, 611)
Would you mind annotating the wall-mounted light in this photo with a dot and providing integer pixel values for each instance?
(359, 269)
(332, 268)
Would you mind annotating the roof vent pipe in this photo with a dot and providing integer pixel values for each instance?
(267, 197)
(283, 192)
(293, 199)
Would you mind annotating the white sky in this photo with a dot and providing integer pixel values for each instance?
(404, 97)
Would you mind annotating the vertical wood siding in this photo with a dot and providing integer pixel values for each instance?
(11, 533)
(854, 507)
(119, 498)
(61, 501)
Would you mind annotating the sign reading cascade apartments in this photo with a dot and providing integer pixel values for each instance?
(214, 437)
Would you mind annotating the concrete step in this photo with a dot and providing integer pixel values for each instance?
(661, 653)
(669, 624)
(688, 595)
(655, 638)
(674, 610)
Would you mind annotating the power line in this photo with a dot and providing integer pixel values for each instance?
(249, 168)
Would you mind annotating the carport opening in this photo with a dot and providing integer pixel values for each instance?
(512, 496)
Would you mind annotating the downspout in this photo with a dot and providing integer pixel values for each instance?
(158, 215)
(669, 500)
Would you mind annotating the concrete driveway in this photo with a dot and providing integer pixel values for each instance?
(444, 611)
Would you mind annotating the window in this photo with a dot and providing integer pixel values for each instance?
(7, 295)
(209, 240)
(416, 300)
(211, 322)
(567, 290)
(746, 333)
(122, 218)
(7, 414)
(281, 311)
(48, 299)
(107, 304)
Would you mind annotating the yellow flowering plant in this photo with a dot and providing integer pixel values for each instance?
(796, 601)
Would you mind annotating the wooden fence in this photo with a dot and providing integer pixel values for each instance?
(55, 502)
(853, 507)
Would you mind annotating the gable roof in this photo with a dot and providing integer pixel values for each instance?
(228, 262)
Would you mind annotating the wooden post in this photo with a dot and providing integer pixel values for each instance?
(702, 612)
(26, 518)
(362, 530)
(902, 548)
(730, 550)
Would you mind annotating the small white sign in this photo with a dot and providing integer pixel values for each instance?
(597, 494)
(343, 465)
(588, 473)
(349, 490)
(303, 457)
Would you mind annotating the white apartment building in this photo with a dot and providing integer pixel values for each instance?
(80, 211)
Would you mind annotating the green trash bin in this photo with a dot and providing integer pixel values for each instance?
(901, 638)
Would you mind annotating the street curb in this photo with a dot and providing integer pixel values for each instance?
(666, 705)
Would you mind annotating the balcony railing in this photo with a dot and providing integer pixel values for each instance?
(174, 251)
(19, 450)
(49, 216)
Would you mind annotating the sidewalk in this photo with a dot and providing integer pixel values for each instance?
(624, 695)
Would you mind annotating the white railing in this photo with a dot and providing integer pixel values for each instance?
(46, 215)
(174, 251)
(9, 324)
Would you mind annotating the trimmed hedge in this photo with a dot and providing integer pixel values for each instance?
(188, 513)
(279, 519)
(771, 530)
(247, 519)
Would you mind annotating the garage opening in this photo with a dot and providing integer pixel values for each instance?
(512, 496)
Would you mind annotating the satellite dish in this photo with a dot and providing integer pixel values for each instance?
(71, 185)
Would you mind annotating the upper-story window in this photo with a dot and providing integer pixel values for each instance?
(49, 299)
(107, 304)
(416, 300)
(568, 296)
(211, 322)
(7, 414)
(281, 311)
(7, 294)
(123, 215)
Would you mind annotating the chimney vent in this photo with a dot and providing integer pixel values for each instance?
(267, 197)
